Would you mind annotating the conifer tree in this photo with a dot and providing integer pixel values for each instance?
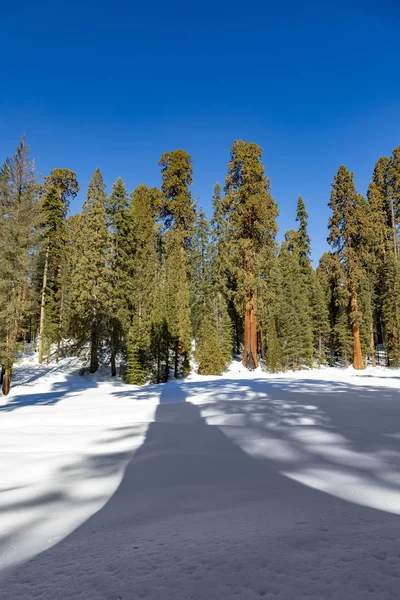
(60, 186)
(90, 276)
(223, 268)
(383, 259)
(252, 229)
(295, 321)
(121, 276)
(144, 205)
(178, 212)
(346, 238)
(18, 217)
(320, 320)
(303, 239)
(211, 323)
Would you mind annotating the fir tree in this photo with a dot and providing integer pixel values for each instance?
(18, 217)
(178, 214)
(60, 186)
(121, 280)
(295, 322)
(145, 263)
(90, 276)
(303, 239)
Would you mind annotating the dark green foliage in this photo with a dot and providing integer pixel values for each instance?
(139, 281)
(178, 214)
(60, 186)
(295, 319)
(18, 218)
(90, 278)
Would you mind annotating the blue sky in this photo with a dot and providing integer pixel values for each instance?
(116, 84)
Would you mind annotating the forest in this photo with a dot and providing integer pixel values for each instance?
(142, 282)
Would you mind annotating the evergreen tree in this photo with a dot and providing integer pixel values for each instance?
(121, 266)
(346, 240)
(383, 259)
(320, 320)
(252, 216)
(18, 217)
(211, 323)
(303, 239)
(223, 268)
(90, 276)
(144, 205)
(295, 321)
(178, 214)
(60, 186)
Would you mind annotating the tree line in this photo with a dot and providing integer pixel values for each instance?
(142, 281)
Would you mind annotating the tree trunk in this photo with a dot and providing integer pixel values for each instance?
(113, 363)
(176, 360)
(250, 359)
(42, 305)
(94, 360)
(373, 358)
(60, 322)
(158, 361)
(358, 362)
(2, 370)
(319, 351)
(6, 381)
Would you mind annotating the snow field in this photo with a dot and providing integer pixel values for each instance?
(243, 486)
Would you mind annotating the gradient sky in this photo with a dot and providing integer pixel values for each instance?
(115, 84)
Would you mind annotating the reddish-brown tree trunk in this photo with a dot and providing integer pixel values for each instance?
(250, 359)
(358, 362)
(6, 382)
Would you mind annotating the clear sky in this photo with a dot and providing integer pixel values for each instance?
(115, 84)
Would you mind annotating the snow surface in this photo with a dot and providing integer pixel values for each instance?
(243, 486)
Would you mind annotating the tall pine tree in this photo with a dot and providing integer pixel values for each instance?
(90, 276)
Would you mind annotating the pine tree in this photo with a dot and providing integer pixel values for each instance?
(295, 321)
(60, 186)
(252, 229)
(18, 217)
(144, 205)
(178, 214)
(121, 266)
(211, 323)
(320, 320)
(90, 276)
(303, 239)
(223, 268)
(383, 258)
(346, 240)
(200, 271)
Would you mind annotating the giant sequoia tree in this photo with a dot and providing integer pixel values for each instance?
(252, 222)
(346, 239)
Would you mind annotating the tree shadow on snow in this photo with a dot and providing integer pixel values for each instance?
(210, 507)
(60, 390)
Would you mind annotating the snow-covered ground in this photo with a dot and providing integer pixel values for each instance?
(243, 486)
